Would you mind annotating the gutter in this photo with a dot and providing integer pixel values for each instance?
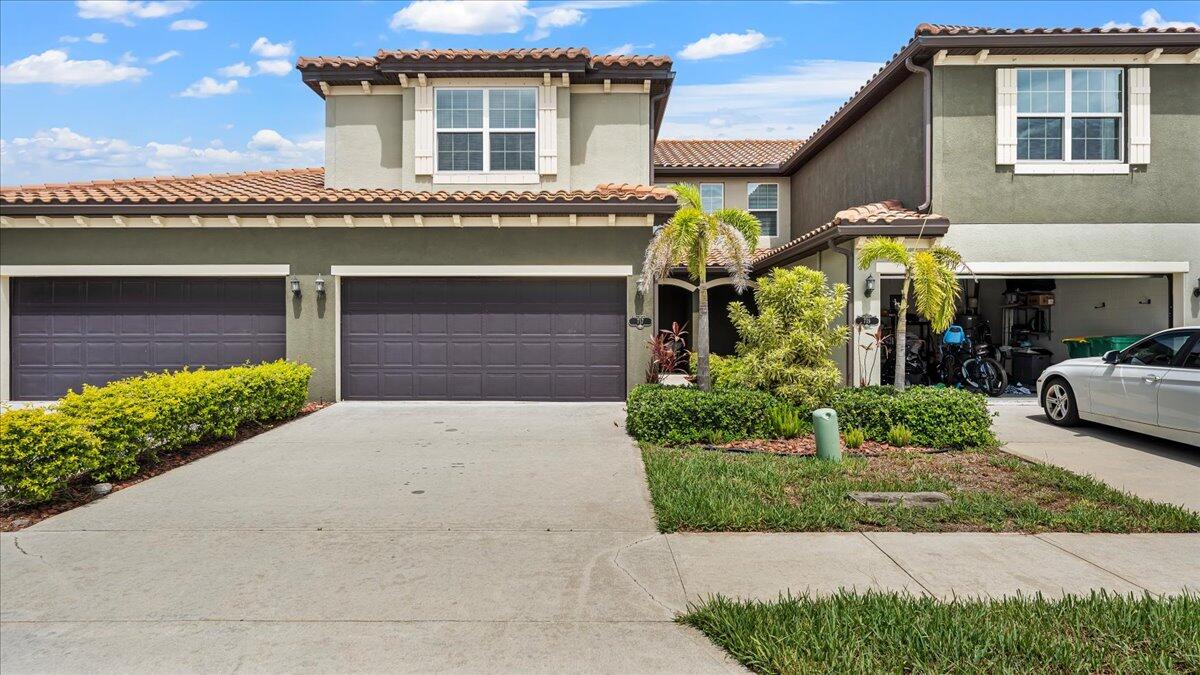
(927, 106)
(763, 170)
(657, 112)
(341, 208)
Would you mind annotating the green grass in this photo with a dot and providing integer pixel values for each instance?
(700, 490)
(890, 633)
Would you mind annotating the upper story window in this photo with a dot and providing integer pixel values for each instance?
(1070, 114)
(712, 196)
(486, 129)
(763, 203)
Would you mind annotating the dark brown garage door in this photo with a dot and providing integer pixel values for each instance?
(470, 339)
(71, 331)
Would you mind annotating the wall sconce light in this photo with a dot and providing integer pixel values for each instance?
(320, 284)
(295, 287)
(869, 286)
(1196, 290)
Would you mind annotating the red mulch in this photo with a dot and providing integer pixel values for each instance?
(81, 494)
(807, 446)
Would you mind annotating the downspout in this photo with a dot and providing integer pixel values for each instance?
(927, 101)
(654, 114)
(849, 255)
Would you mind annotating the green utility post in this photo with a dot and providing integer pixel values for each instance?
(829, 442)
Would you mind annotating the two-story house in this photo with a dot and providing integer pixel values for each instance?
(1064, 164)
(476, 233)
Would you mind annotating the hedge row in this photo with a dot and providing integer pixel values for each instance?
(108, 432)
(938, 417)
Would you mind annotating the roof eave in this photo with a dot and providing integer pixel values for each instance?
(837, 233)
(591, 207)
(763, 170)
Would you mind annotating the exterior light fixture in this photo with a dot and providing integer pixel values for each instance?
(295, 283)
(869, 286)
(320, 284)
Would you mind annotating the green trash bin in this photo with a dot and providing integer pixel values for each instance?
(1078, 347)
(1115, 343)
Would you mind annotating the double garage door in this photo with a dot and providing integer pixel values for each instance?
(486, 338)
(67, 332)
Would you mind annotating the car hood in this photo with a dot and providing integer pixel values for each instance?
(1087, 360)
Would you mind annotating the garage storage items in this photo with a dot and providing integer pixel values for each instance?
(1028, 364)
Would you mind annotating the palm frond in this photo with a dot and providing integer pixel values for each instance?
(743, 221)
(946, 256)
(730, 243)
(936, 289)
(661, 256)
(885, 249)
(688, 196)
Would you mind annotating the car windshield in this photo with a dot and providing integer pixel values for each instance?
(1157, 350)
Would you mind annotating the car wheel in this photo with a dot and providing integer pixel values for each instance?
(1059, 403)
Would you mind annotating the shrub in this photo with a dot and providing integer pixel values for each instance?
(787, 422)
(41, 452)
(938, 417)
(854, 438)
(785, 349)
(899, 436)
(132, 421)
(679, 415)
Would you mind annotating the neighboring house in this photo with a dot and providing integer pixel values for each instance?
(1063, 160)
(476, 232)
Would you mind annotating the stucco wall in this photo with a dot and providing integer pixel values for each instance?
(879, 157)
(363, 146)
(969, 187)
(833, 265)
(610, 139)
(737, 194)
(311, 323)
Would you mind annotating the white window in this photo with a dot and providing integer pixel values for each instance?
(763, 203)
(712, 196)
(1070, 114)
(483, 130)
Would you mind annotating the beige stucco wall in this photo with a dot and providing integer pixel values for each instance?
(833, 265)
(602, 138)
(736, 195)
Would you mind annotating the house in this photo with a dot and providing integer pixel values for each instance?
(1062, 163)
(479, 224)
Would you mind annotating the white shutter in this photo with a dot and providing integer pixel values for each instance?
(1139, 115)
(547, 130)
(423, 131)
(1006, 116)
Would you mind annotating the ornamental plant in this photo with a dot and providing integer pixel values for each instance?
(785, 349)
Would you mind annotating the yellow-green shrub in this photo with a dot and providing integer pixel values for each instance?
(40, 452)
(136, 419)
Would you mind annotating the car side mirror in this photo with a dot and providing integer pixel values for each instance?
(1111, 356)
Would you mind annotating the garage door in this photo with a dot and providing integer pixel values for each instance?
(470, 339)
(70, 331)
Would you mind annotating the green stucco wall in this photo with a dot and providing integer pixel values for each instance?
(311, 325)
(363, 141)
(968, 186)
(879, 157)
(610, 139)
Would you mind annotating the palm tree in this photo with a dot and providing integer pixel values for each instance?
(688, 237)
(932, 275)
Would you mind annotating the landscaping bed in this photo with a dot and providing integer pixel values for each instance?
(894, 633)
(694, 489)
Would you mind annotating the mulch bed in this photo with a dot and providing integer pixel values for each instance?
(18, 518)
(806, 446)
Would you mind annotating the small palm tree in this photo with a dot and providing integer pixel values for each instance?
(932, 275)
(688, 237)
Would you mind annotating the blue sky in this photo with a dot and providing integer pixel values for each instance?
(105, 89)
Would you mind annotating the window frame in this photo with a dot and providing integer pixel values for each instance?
(486, 130)
(721, 185)
(750, 190)
(1067, 116)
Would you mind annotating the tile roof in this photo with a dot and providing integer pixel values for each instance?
(949, 29)
(469, 56)
(722, 153)
(887, 212)
(294, 186)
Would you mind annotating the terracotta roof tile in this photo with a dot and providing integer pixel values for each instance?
(887, 211)
(293, 186)
(468, 56)
(949, 29)
(723, 153)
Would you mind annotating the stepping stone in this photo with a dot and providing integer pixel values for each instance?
(915, 499)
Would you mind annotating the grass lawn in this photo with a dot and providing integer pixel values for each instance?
(878, 632)
(702, 490)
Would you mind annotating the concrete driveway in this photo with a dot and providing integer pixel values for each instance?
(1155, 469)
(368, 536)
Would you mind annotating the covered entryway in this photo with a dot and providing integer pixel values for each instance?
(71, 331)
(540, 339)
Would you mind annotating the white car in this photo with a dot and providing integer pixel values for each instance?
(1152, 387)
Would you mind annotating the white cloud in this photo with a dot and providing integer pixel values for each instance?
(275, 67)
(629, 48)
(239, 69)
(188, 24)
(724, 44)
(61, 154)
(556, 17)
(94, 38)
(54, 66)
(124, 11)
(1152, 19)
(462, 18)
(207, 86)
(269, 50)
(165, 56)
(787, 104)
